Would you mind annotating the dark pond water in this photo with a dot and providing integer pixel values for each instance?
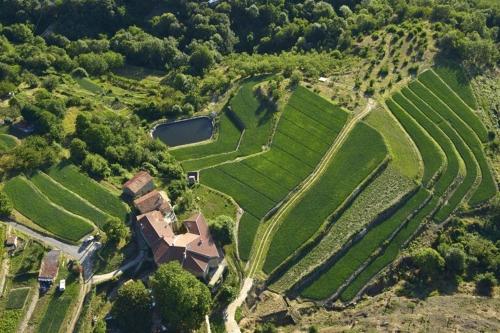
(184, 131)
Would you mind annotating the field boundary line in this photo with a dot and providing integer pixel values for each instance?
(261, 248)
(326, 225)
(35, 188)
(75, 194)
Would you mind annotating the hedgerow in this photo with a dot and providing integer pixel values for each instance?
(68, 200)
(329, 281)
(70, 177)
(434, 83)
(30, 203)
(362, 152)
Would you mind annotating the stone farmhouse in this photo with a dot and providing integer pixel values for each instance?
(195, 249)
(140, 184)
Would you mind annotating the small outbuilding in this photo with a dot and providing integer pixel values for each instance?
(62, 285)
(11, 242)
(140, 184)
(49, 268)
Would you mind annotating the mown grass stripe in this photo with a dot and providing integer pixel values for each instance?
(452, 157)
(295, 113)
(67, 199)
(70, 177)
(273, 172)
(456, 79)
(247, 229)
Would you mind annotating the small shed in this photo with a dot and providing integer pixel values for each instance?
(11, 242)
(50, 267)
(192, 177)
(141, 183)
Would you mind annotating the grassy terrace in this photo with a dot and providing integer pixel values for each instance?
(452, 168)
(487, 187)
(432, 155)
(435, 84)
(67, 199)
(388, 254)
(245, 112)
(456, 79)
(470, 164)
(260, 182)
(30, 202)
(358, 157)
(70, 177)
(378, 196)
(330, 280)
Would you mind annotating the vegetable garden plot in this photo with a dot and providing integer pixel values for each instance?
(487, 188)
(30, 203)
(360, 155)
(70, 177)
(430, 152)
(67, 199)
(330, 280)
(433, 82)
(17, 298)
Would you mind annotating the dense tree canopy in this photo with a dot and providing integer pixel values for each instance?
(182, 299)
(132, 307)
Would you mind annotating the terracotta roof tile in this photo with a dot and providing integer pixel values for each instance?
(50, 265)
(138, 181)
(154, 200)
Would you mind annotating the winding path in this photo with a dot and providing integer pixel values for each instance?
(262, 244)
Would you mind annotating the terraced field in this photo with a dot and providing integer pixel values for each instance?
(245, 119)
(361, 154)
(308, 126)
(30, 202)
(67, 212)
(449, 138)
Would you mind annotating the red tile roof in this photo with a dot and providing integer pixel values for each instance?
(138, 181)
(154, 200)
(50, 265)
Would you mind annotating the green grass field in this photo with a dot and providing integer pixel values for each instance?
(248, 111)
(259, 183)
(88, 85)
(246, 232)
(434, 83)
(456, 79)
(389, 254)
(452, 157)
(377, 197)
(358, 157)
(487, 188)
(432, 155)
(404, 154)
(67, 199)
(329, 281)
(70, 177)
(17, 298)
(30, 203)
(7, 142)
